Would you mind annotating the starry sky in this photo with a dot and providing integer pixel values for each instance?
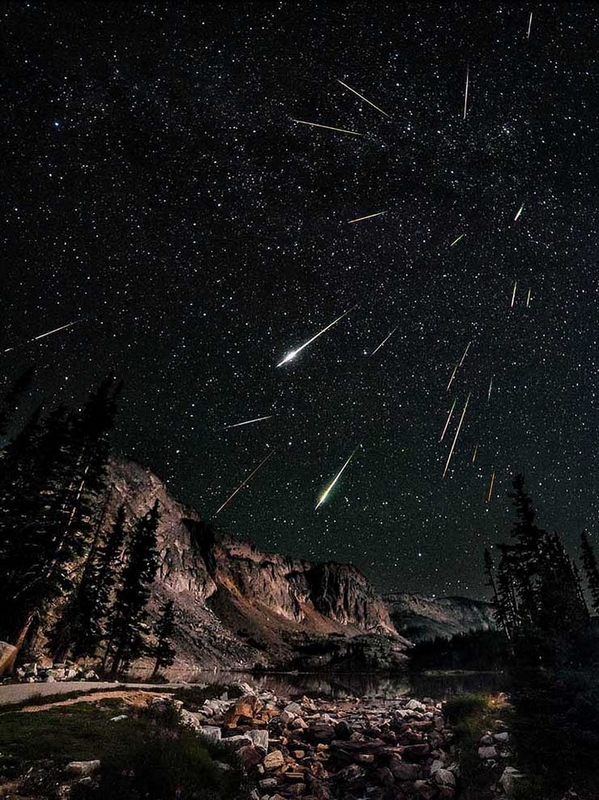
(158, 191)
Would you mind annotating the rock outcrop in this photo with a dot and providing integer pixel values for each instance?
(237, 607)
(419, 618)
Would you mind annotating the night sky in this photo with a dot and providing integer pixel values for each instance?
(157, 190)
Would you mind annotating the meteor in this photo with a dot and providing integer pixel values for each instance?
(363, 98)
(389, 335)
(465, 354)
(293, 353)
(466, 92)
(455, 369)
(370, 216)
(474, 454)
(519, 212)
(457, 433)
(490, 494)
(448, 419)
(514, 294)
(243, 483)
(529, 26)
(328, 127)
(248, 422)
(528, 298)
(455, 241)
(48, 333)
(490, 389)
(325, 494)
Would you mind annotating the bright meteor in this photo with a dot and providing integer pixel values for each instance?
(457, 433)
(293, 353)
(455, 241)
(363, 98)
(243, 483)
(248, 422)
(519, 212)
(448, 419)
(325, 494)
(369, 216)
(466, 91)
(388, 336)
(48, 333)
(328, 127)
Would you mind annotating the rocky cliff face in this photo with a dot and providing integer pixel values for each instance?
(237, 607)
(418, 617)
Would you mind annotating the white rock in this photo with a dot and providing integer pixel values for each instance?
(487, 752)
(415, 705)
(118, 718)
(501, 737)
(210, 732)
(508, 779)
(259, 737)
(294, 708)
(83, 768)
(443, 777)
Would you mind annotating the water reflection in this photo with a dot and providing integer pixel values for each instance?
(360, 684)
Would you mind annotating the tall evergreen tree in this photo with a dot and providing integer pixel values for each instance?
(127, 641)
(52, 473)
(589, 563)
(163, 651)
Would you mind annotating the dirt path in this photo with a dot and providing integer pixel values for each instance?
(20, 692)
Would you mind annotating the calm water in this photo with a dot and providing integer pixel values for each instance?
(359, 684)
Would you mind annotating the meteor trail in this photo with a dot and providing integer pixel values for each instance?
(455, 241)
(528, 299)
(466, 91)
(514, 294)
(529, 26)
(455, 369)
(490, 494)
(241, 485)
(293, 353)
(363, 98)
(465, 354)
(519, 212)
(248, 422)
(457, 433)
(369, 216)
(324, 495)
(48, 333)
(474, 454)
(388, 336)
(328, 127)
(448, 419)
(490, 389)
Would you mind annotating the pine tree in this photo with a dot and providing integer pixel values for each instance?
(126, 635)
(163, 651)
(52, 474)
(501, 611)
(589, 563)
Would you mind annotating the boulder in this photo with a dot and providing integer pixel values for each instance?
(274, 760)
(487, 752)
(82, 768)
(443, 777)
(211, 732)
(260, 738)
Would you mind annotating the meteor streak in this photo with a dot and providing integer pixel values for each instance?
(324, 495)
(243, 483)
(465, 354)
(514, 294)
(529, 26)
(369, 216)
(466, 91)
(519, 212)
(490, 389)
(490, 494)
(457, 433)
(48, 333)
(455, 241)
(328, 127)
(388, 336)
(455, 369)
(248, 422)
(474, 454)
(363, 98)
(528, 298)
(293, 353)
(448, 419)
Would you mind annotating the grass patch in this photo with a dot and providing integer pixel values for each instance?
(470, 717)
(148, 756)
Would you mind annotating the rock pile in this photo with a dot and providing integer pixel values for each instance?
(47, 672)
(320, 750)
